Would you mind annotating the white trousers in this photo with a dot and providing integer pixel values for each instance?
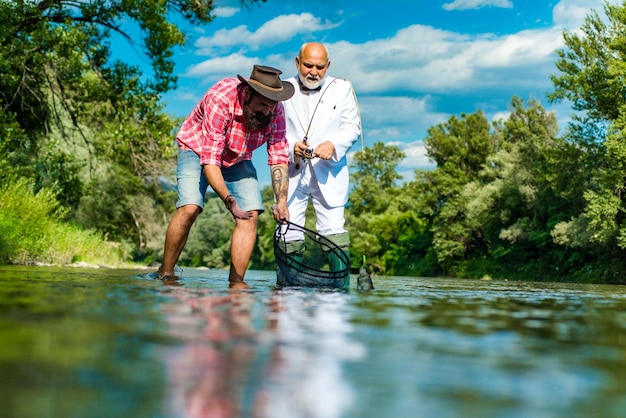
(329, 220)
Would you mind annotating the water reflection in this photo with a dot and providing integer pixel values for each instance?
(215, 347)
(239, 354)
(313, 340)
(500, 349)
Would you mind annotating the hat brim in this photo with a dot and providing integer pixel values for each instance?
(277, 96)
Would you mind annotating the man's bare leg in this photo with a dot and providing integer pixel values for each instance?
(176, 237)
(241, 247)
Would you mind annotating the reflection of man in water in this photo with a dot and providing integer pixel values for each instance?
(208, 372)
(311, 344)
(240, 355)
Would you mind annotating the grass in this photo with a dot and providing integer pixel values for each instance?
(33, 230)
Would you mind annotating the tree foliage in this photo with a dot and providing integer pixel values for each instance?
(592, 65)
(375, 176)
(592, 73)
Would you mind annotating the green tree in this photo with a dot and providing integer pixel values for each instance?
(591, 66)
(385, 225)
(460, 148)
(591, 75)
(517, 200)
(375, 175)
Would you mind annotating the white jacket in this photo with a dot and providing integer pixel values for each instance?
(336, 119)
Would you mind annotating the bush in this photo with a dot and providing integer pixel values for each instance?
(32, 230)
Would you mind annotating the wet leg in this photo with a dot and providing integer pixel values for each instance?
(241, 247)
(176, 237)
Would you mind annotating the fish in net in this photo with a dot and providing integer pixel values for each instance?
(293, 271)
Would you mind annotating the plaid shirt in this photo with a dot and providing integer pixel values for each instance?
(215, 131)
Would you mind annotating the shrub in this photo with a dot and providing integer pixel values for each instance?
(32, 230)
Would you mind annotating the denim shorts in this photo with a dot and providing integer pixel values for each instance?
(241, 181)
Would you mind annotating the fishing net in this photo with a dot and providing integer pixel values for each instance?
(291, 271)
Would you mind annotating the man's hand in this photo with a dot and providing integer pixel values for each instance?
(300, 148)
(233, 207)
(280, 212)
(325, 150)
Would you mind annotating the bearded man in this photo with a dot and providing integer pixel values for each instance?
(215, 145)
(323, 123)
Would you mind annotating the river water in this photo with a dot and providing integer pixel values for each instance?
(113, 343)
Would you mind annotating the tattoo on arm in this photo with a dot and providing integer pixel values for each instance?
(280, 181)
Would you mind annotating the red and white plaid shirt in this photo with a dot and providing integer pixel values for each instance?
(215, 131)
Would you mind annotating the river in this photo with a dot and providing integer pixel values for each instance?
(113, 343)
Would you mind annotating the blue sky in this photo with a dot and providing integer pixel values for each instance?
(413, 63)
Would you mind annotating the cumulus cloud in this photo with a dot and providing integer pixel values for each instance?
(501, 116)
(401, 116)
(477, 4)
(272, 32)
(214, 69)
(428, 60)
(570, 14)
(398, 120)
(415, 157)
(225, 11)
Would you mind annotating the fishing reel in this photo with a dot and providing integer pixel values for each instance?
(308, 153)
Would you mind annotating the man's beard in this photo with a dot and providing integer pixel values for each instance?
(310, 83)
(255, 121)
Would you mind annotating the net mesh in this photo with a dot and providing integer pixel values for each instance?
(291, 271)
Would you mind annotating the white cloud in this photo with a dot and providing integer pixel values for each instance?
(477, 4)
(225, 11)
(223, 38)
(272, 32)
(570, 14)
(214, 69)
(400, 116)
(415, 158)
(398, 120)
(423, 59)
(501, 116)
